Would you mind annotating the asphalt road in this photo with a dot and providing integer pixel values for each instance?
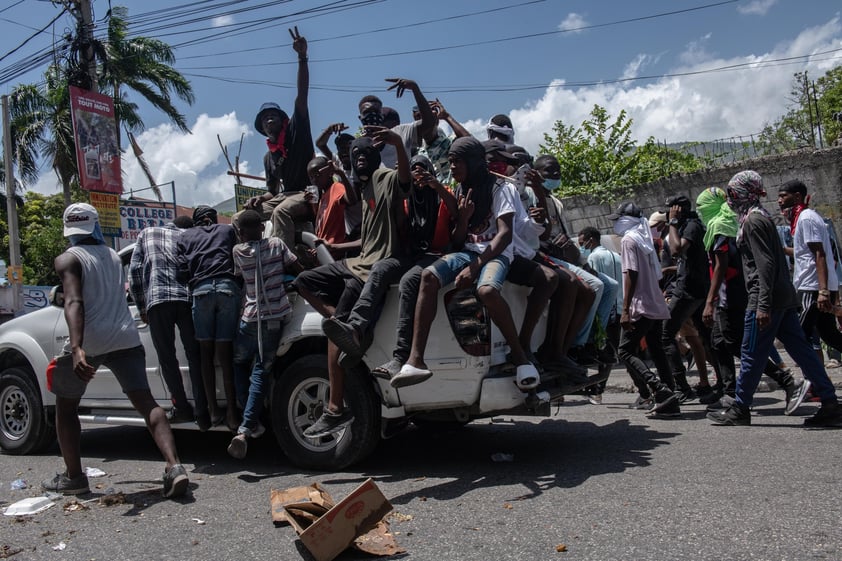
(603, 480)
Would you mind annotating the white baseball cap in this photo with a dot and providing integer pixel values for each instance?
(80, 218)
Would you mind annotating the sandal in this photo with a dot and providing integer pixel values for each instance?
(527, 377)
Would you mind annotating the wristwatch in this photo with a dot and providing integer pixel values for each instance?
(824, 292)
(674, 222)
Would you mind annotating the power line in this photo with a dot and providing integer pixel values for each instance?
(63, 10)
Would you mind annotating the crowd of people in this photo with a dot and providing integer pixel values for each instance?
(413, 206)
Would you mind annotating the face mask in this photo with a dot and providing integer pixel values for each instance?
(584, 251)
(498, 167)
(372, 118)
(656, 235)
(618, 230)
(552, 184)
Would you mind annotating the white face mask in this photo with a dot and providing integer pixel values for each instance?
(656, 235)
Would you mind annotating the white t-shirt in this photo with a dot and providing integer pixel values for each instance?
(501, 205)
(810, 228)
(527, 232)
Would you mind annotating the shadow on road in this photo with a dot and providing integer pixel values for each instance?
(554, 453)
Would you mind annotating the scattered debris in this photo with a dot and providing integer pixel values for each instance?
(400, 517)
(94, 472)
(561, 548)
(502, 457)
(112, 499)
(32, 505)
(18, 484)
(198, 521)
(74, 506)
(60, 546)
(508, 506)
(7, 551)
(326, 527)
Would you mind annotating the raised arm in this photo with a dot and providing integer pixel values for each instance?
(299, 45)
(427, 129)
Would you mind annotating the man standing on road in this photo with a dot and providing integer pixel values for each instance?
(163, 301)
(102, 333)
(771, 310)
(814, 274)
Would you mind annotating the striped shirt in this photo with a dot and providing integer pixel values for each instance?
(154, 273)
(263, 275)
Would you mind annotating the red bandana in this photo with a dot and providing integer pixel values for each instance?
(279, 145)
(793, 213)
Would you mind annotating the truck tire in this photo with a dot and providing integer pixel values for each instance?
(298, 397)
(25, 426)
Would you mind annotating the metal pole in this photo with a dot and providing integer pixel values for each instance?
(809, 109)
(11, 209)
(174, 206)
(818, 116)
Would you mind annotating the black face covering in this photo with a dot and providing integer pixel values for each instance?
(372, 155)
(479, 181)
(423, 209)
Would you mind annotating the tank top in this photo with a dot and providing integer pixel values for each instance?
(108, 323)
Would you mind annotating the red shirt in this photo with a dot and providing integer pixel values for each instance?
(330, 218)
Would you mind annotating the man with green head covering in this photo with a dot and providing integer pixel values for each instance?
(727, 299)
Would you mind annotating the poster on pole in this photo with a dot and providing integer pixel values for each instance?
(108, 207)
(95, 131)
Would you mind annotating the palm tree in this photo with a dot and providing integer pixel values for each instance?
(41, 123)
(41, 127)
(144, 65)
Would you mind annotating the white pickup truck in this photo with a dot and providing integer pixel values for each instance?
(465, 351)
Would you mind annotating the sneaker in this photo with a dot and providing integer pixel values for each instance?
(723, 402)
(828, 415)
(668, 410)
(685, 396)
(796, 398)
(642, 403)
(67, 486)
(734, 416)
(666, 404)
(710, 398)
(257, 431)
(832, 363)
(329, 423)
(238, 447)
(180, 415)
(595, 399)
(175, 481)
(343, 335)
(703, 391)
(409, 376)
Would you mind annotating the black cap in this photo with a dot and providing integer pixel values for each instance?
(495, 146)
(519, 153)
(626, 209)
(679, 200)
(268, 106)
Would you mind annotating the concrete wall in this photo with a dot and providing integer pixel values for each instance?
(820, 170)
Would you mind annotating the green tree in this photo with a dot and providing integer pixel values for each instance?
(600, 158)
(41, 123)
(798, 127)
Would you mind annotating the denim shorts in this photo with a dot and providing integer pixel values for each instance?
(493, 273)
(216, 309)
(127, 365)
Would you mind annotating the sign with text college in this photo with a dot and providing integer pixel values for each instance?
(95, 131)
(137, 215)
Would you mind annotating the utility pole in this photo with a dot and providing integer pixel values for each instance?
(809, 109)
(86, 29)
(14, 270)
(818, 115)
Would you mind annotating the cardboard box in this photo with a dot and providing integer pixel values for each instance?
(337, 529)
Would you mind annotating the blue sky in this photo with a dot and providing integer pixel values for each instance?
(538, 61)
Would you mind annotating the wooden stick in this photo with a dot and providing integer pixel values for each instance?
(247, 176)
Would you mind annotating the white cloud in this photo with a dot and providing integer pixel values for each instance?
(637, 63)
(756, 7)
(193, 161)
(698, 107)
(573, 22)
(222, 21)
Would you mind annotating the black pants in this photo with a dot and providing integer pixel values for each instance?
(824, 323)
(163, 319)
(629, 353)
(372, 298)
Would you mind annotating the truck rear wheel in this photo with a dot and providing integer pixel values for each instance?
(299, 396)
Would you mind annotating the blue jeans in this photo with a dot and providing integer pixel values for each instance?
(758, 343)
(603, 306)
(598, 286)
(493, 273)
(216, 307)
(252, 389)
